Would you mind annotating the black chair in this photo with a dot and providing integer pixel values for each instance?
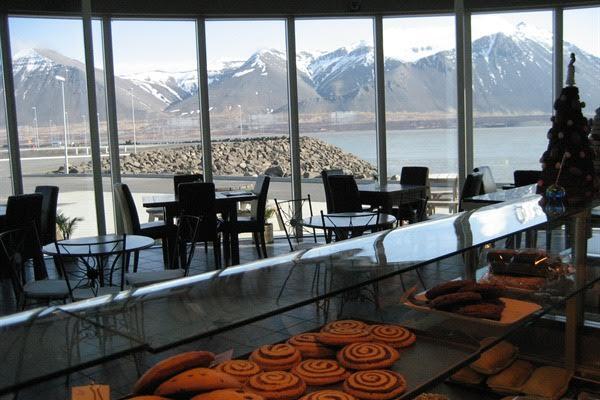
(188, 178)
(255, 223)
(415, 211)
(48, 215)
(344, 194)
(290, 214)
(13, 245)
(488, 185)
(325, 174)
(131, 225)
(471, 187)
(526, 177)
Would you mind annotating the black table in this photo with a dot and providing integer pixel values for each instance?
(471, 203)
(99, 250)
(225, 202)
(346, 222)
(385, 196)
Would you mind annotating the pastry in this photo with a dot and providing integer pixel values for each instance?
(344, 323)
(147, 397)
(512, 378)
(309, 347)
(431, 396)
(547, 382)
(486, 290)
(448, 301)
(488, 310)
(495, 359)
(276, 357)
(228, 394)
(196, 380)
(377, 384)
(362, 356)
(328, 395)
(446, 288)
(170, 367)
(393, 335)
(320, 372)
(531, 283)
(242, 370)
(468, 376)
(343, 336)
(276, 385)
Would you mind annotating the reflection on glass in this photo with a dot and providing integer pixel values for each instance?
(512, 89)
(5, 175)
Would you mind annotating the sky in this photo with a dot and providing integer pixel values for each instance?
(170, 45)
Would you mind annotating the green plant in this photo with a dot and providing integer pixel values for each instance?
(66, 225)
(269, 212)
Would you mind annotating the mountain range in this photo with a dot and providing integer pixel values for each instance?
(512, 75)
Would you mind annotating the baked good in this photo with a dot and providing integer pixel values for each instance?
(448, 301)
(376, 384)
(196, 380)
(328, 395)
(495, 359)
(547, 382)
(529, 283)
(276, 357)
(468, 376)
(228, 394)
(512, 378)
(147, 397)
(170, 367)
(320, 372)
(486, 290)
(489, 310)
(344, 323)
(431, 396)
(446, 288)
(276, 385)
(242, 370)
(362, 356)
(309, 346)
(392, 335)
(343, 336)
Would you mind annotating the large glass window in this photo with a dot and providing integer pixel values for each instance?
(155, 66)
(5, 175)
(336, 96)
(512, 89)
(51, 100)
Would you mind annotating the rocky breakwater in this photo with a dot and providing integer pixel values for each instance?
(243, 157)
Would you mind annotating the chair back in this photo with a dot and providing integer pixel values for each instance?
(471, 187)
(13, 246)
(48, 214)
(198, 200)
(261, 189)
(415, 176)
(489, 185)
(186, 178)
(290, 213)
(526, 177)
(126, 206)
(345, 196)
(188, 234)
(24, 211)
(325, 174)
(349, 226)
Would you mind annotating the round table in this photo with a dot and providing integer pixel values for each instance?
(348, 224)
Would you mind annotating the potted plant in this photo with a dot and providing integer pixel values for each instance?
(269, 212)
(66, 225)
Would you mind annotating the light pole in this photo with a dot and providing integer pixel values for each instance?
(133, 119)
(62, 84)
(37, 130)
(241, 125)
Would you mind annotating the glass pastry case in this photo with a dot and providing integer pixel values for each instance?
(475, 305)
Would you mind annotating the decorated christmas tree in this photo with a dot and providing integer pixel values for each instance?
(595, 139)
(568, 163)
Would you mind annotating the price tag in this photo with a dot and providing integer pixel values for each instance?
(90, 392)
(221, 357)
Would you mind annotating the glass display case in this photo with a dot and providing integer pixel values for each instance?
(376, 278)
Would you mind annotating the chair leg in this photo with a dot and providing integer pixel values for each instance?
(136, 259)
(263, 244)
(205, 247)
(217, 251)
(257, 244)
(226, 249)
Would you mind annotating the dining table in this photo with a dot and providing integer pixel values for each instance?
(499, 196)
(346, 222)
(226, 203)
(385, 196)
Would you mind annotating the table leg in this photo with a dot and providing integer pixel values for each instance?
(234, 242)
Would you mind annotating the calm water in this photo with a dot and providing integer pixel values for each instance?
(503, 149)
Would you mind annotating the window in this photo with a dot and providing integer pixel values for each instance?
(5, 175)
(512, 90)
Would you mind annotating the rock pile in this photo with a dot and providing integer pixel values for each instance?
(243, 157)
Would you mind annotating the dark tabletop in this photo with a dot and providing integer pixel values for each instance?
(343, 220)
(388, 187)
(504, 195)
(166, 199)
(97, 246)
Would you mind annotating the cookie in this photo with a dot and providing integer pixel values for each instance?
(276, 357)
(242, 370)
(309, 346)
(170, 367)
(363, 356)
(485, 310)
(344, 323)
(320, 372)
(446, 288)
(486, 290)
(343, 336)
(392, 335)
(276, 385)
(328, 395)
(228, 394)
(448, 301)
(375, 385)
(196, 380)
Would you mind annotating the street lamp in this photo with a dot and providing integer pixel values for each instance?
(133, 119)
(37, 131)
(62, 84)
(241, 125)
